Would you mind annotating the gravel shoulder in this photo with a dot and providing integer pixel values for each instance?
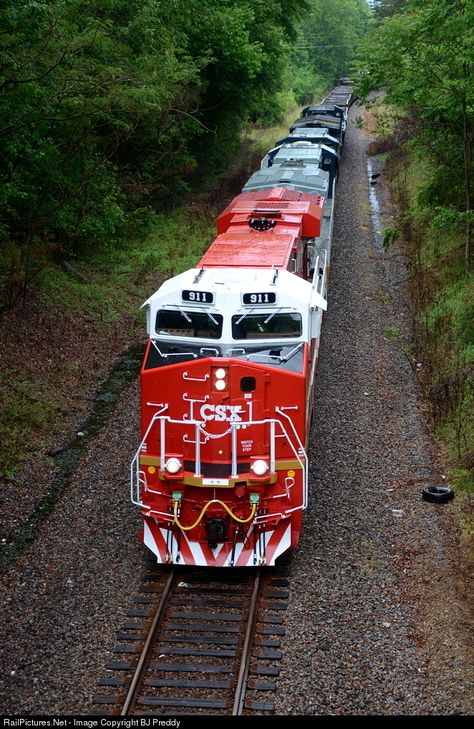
(379, 619)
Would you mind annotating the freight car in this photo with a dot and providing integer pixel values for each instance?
(221, 473)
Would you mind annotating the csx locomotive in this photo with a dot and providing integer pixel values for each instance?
(221, 473)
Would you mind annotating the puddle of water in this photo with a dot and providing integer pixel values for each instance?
(123, 373)
(374, 207)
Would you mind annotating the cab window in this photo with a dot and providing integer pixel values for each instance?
(182, 323)
(263, 326)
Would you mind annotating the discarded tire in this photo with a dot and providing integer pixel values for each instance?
(438, 494)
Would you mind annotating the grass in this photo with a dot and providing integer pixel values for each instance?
(391, 332)
(379, 118)
(443, 295)
(104, 296)
(27, 406)
(265, 138)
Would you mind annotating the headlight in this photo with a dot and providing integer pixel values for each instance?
(173, 465)
(220, 379)
(259, 467)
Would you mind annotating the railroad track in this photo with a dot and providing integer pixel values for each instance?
(198, 641)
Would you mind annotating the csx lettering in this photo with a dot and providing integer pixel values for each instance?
(231, 413)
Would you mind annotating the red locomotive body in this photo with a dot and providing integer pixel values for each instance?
(221, 474)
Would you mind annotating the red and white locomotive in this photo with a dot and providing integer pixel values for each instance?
(221, 473)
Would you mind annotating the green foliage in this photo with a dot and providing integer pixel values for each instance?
(174, 244)
(456, 303)
(110, 106)
(25, 406)
(327, 38)
(424, 56)
(387, 8)
(463, 480)
(390, 235)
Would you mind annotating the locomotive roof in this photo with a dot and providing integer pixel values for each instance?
(310, 134)
(332, 123)
(277, 196)
(303, 151)
(323, 109)
(250, 248)
(279, 204)
(232, 282)
(305, 178)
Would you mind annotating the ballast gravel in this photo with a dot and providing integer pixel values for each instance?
(378, 620)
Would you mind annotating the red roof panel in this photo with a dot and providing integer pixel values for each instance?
(301, 208)
(249, 249)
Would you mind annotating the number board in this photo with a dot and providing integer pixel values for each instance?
(198, 297)
(259, 297)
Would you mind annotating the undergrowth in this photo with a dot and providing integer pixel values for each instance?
(442, 293)
(102, 292)
(27, 405)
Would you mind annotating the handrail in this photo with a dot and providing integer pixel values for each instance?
(276, 427)
(305, 468)
(135, 483)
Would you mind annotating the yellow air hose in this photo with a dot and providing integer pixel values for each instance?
(204, 509)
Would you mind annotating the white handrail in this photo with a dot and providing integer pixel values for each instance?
(305, 467)
(135, 483)
(138, 478)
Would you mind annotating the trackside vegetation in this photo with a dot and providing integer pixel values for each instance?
(124, 128)
(421, 53)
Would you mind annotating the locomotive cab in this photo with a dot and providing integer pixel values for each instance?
(221, 472)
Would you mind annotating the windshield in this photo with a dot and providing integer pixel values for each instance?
(284, 356)
(265, 326)
(161, 353)
(180, 323)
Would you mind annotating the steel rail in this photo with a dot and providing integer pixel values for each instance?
(134, 685)
(239, 696)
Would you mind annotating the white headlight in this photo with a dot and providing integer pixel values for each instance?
(259, 467)
(220, 385)
(173, 465)
(220, 373)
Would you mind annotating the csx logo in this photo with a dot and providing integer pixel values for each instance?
(230, 413)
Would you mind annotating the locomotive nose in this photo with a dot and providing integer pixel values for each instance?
(216, 532)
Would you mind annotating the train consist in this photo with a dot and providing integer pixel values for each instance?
(221, 473)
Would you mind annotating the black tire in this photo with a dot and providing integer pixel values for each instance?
(438, 494)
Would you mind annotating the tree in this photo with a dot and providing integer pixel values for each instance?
(103, 104)
(387, 8)
(79, 80)
(328, 37)
(424, 57)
